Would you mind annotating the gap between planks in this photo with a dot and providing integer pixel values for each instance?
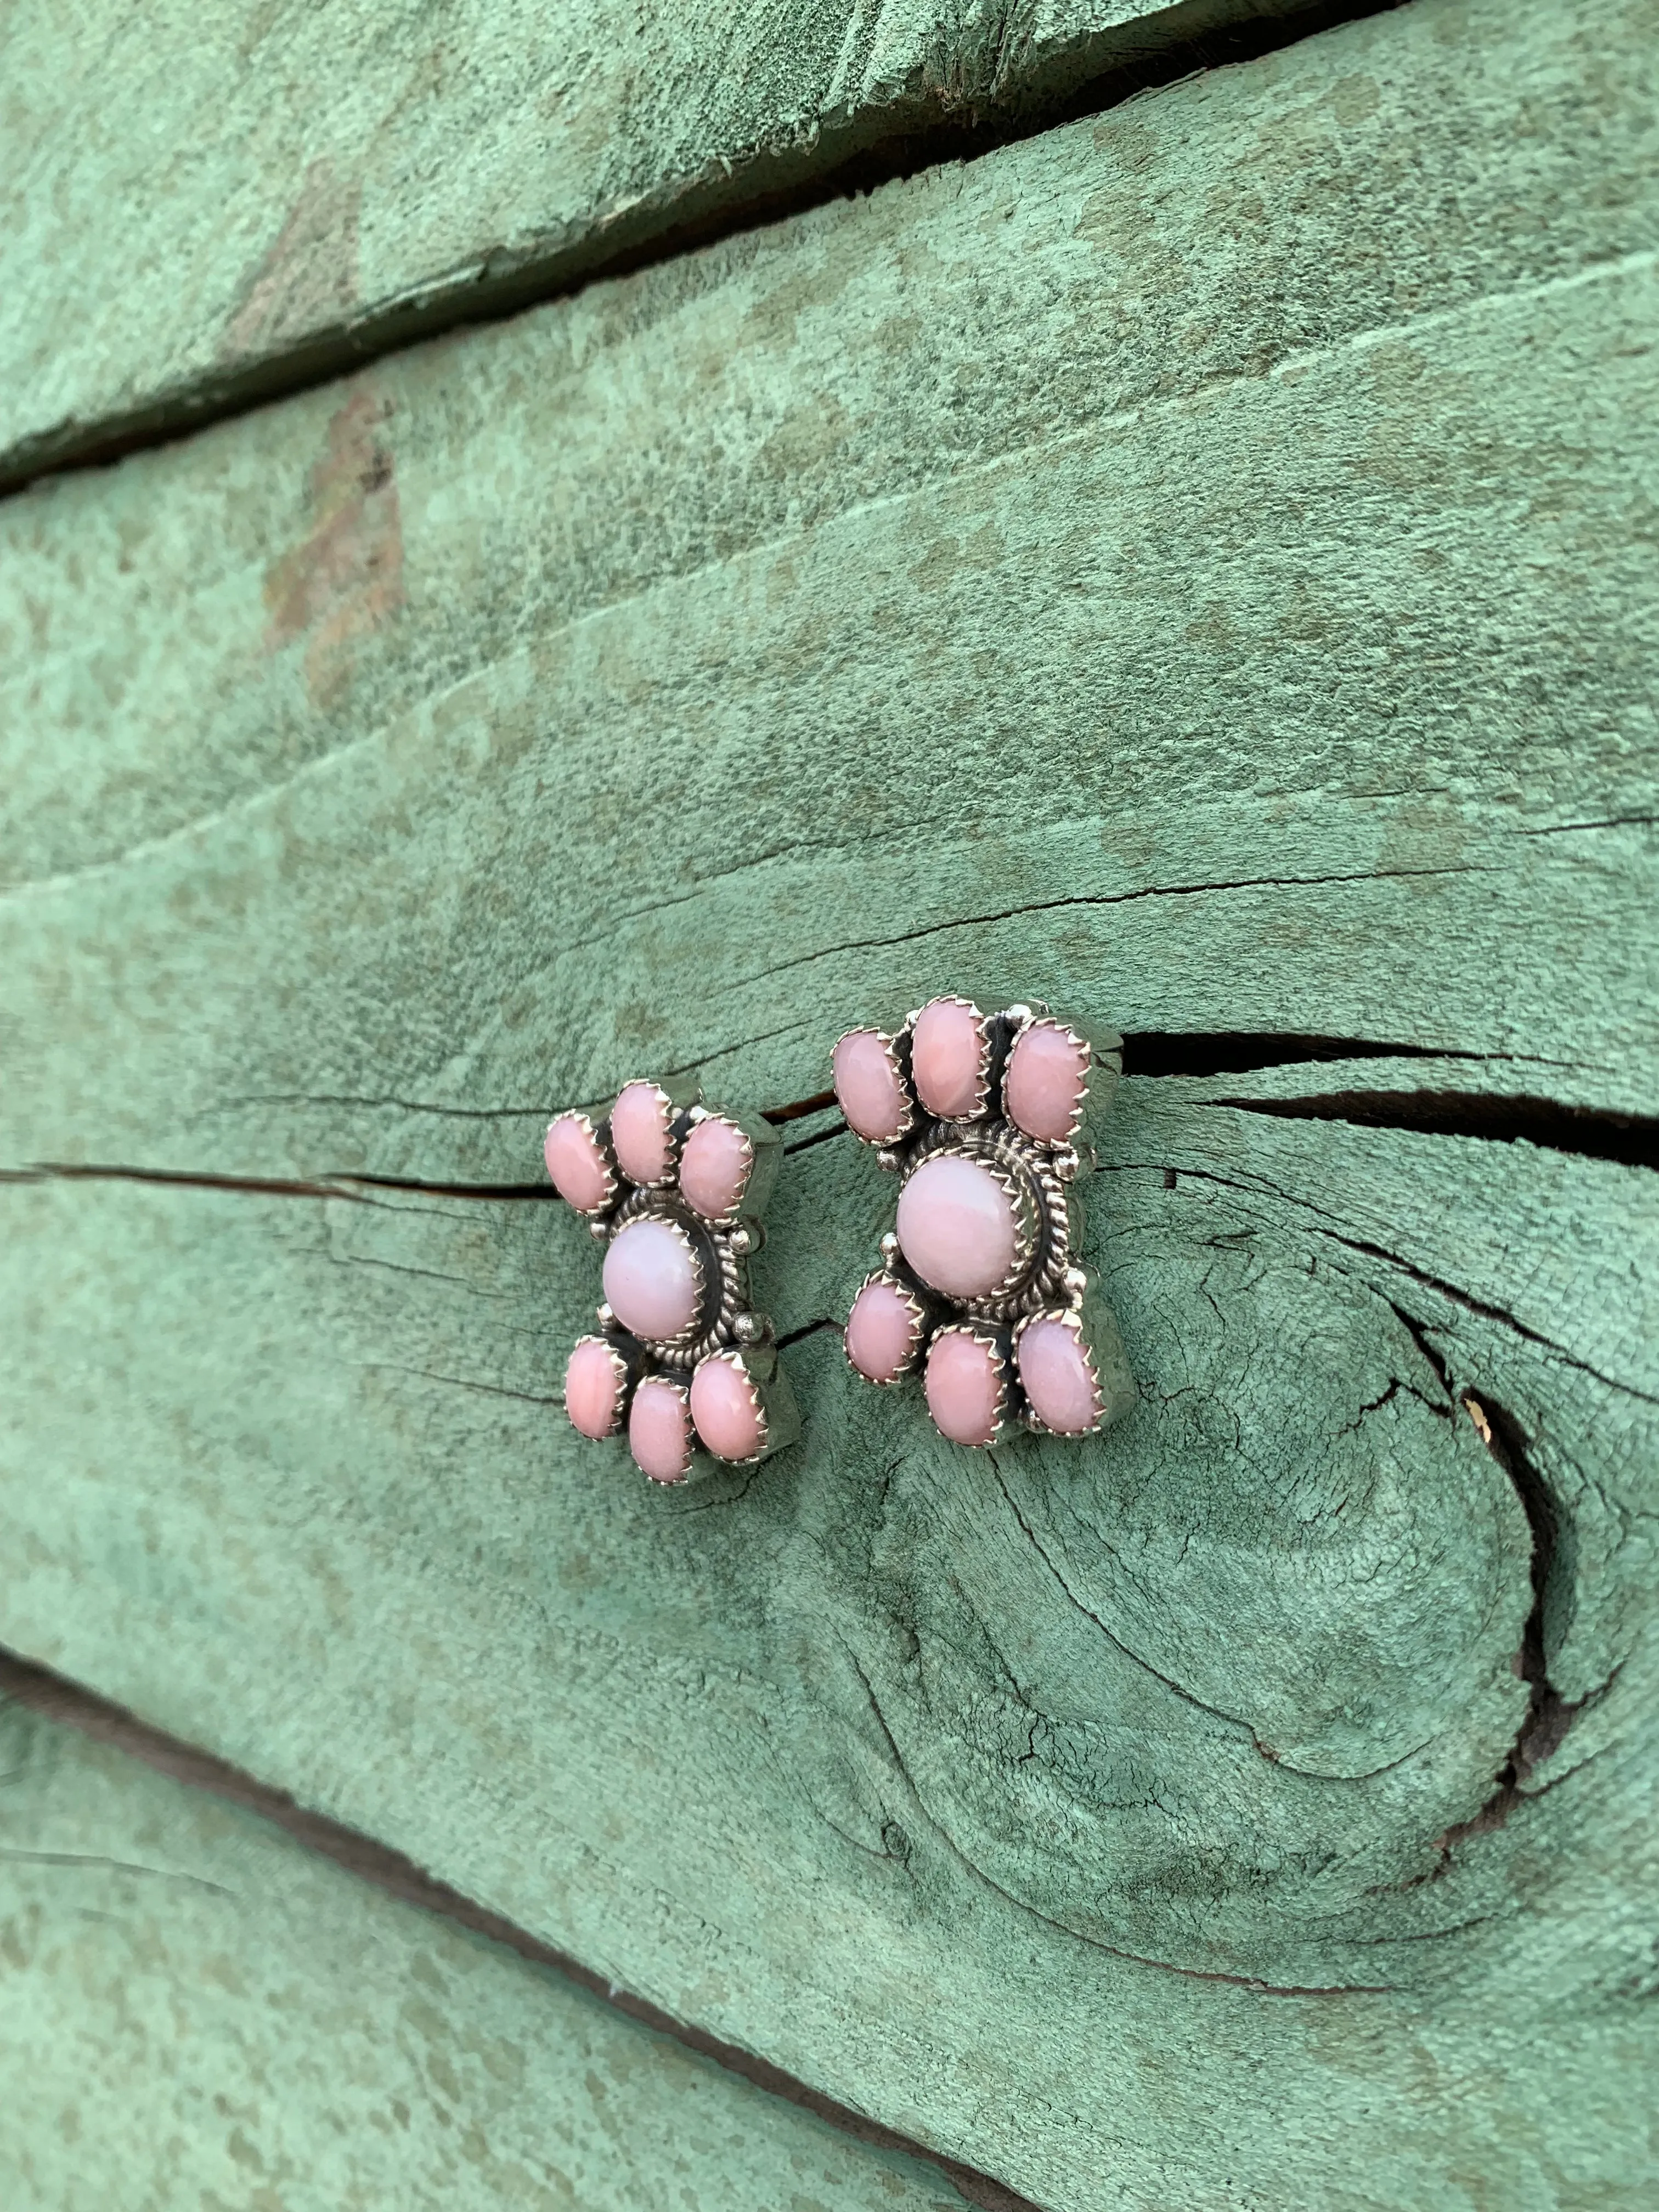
(1489, 1117)
(847, 161)
(56, 1698)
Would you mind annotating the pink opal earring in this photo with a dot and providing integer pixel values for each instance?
(982, 1117)
(675, 1193)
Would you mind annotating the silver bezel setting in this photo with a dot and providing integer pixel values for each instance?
(995, 1343)
(981, 1081)
(1041, 1207)
(900, 1064)
(724, 1322)
(733, 1358)
(1040, 1176)
(1069, 1317)
(919, 1313)
(716, 1266)
(1039, 1018)
(619, 1365)
(740, 1205)
(670, 1175)
(682, 1392)
(598, 1138)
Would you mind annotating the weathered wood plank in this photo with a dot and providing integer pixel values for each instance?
(198, 2010)
(219, 201)
(1301, 620)
(922, 1773)
(1325, 570)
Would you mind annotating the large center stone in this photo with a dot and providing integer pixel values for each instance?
(955, 1227)
(651, 1279)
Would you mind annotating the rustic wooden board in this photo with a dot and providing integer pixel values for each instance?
(1306, 585)
(1032, 1802)
(196, 2010)
(622, 690)
(205, 202)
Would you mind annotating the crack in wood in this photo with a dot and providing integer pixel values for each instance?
(1075, 901)
(1259, 1187)
(818, 1137)
(1582, 1132)
(798, 1108)
(1095, 1942)
(1549, 1716)
(1590, 1133)
(808, 1329)
(17, 1856)
(1245, 1052)
(848, 157)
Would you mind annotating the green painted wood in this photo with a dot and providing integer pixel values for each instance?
(989, 1791)
(1194, 1817)
(195, 2010)
(1306, 583)
(216, 200)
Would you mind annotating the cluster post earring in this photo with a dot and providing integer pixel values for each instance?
(674, 1191)
(982, 1117)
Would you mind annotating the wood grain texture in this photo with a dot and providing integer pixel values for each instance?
(217, 201)
(1305, 584)
(1030, 1801)
(1197, 565)
(205, 2014)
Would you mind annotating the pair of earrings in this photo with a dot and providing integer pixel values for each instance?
(982, 1118)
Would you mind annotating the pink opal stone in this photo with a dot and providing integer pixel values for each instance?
(881, 1332)
(715, 1166)
(575, 1165)
(651, 1279)
(726, 1409)
(1047, 1074)
(1055, 1376)
(955, 1227)
(659, 1430)
(639, 1132)
(964, 1388)
(947, 1057)
(593, 1387)
(867, 1086)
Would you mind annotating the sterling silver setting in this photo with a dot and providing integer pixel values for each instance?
(725, 1326)
(1075, 1370)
